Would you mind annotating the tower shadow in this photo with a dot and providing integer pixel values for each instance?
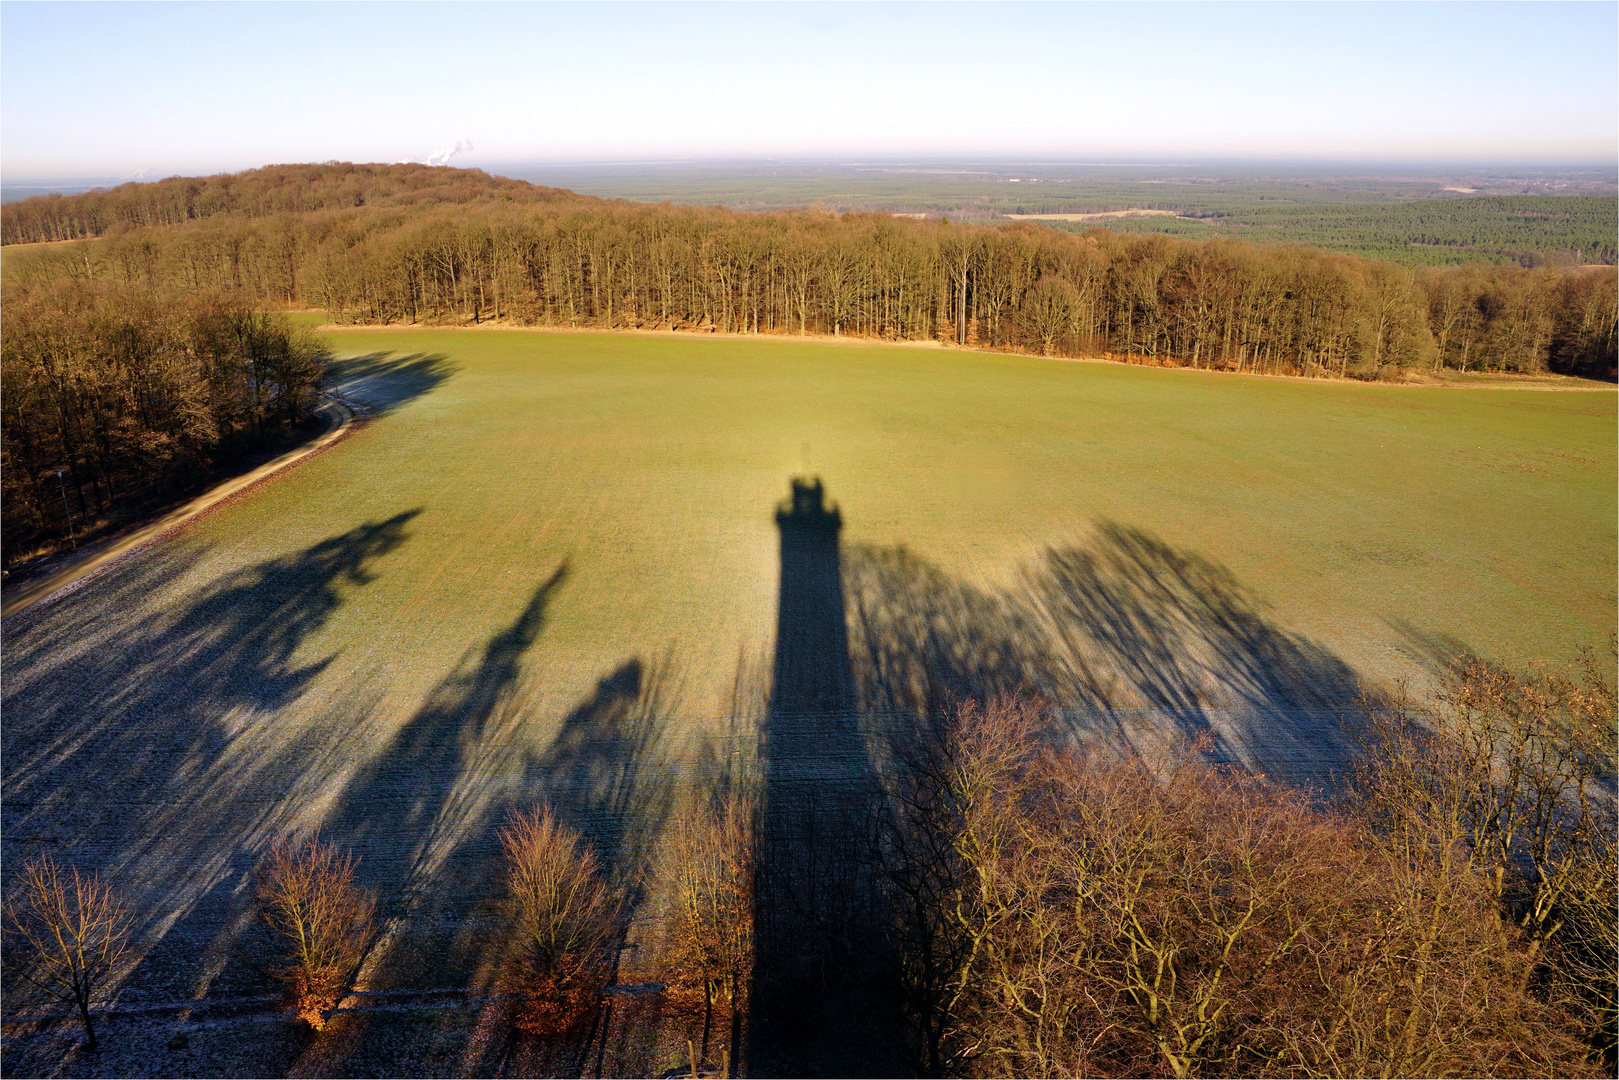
(818, 1004)
(813, 675)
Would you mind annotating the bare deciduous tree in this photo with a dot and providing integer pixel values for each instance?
(566, 920)
(1511, 779)
(1049, 310)
(70, 933)
(711, 870)
(321, 918)
(1105, 913)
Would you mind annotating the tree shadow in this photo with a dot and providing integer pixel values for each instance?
(1434, 652)
(383, 381)
(1130, 640)
(922, 642)
(1156, 634)
(427, 801)
(425, 816)
(151, 752)
(607, 774)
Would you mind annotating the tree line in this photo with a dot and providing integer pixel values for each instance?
(566, 260)
(118, 397)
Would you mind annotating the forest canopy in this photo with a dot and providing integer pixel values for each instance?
(274, 189)
(410, 243)
(119, 397)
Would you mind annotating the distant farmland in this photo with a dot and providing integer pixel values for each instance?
(549, 566)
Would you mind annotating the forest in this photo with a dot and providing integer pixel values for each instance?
(275, 189)
(118, 399)
(388, 244)
(146, 349)
(1531, 230)
(1435, 216)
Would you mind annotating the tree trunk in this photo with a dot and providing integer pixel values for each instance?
(708, 1020)
(89, 1028)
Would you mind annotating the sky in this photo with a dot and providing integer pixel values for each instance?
(150, 90)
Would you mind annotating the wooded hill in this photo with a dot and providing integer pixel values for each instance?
(410, 243)
(274, 189)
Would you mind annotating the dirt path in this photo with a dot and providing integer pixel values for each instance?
(94, 558)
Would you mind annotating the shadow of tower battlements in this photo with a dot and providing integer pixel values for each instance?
(812, 674)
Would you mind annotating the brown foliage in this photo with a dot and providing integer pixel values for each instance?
(566, 922)
(69, 934)
(134, 393)
(1511, 779)
(256, 193)
(368, 246)
(711, 880)
(1120, 915)
(321, 919)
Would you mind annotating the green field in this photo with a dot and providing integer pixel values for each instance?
(649, 466)
(549, 567)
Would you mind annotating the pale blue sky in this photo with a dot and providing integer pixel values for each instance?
(92, 89)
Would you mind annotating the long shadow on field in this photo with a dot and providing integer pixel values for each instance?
(422, 815)
(607, 775)
(1133, 644)
(145, 746)
(1434, 652)
(1128, 636)
(820, 1006)
(384, 381)
(922, 641)
(605, 772)
(1177, 636)
(425, 813)
(418, 800)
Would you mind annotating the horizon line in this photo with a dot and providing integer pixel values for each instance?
(855, 161)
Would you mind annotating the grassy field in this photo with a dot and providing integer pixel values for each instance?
(549, 566)
(650, 466)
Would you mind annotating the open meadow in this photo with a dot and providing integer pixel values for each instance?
(551, 566)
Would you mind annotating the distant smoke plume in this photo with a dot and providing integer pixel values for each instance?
(443, 157)
(440, 157)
